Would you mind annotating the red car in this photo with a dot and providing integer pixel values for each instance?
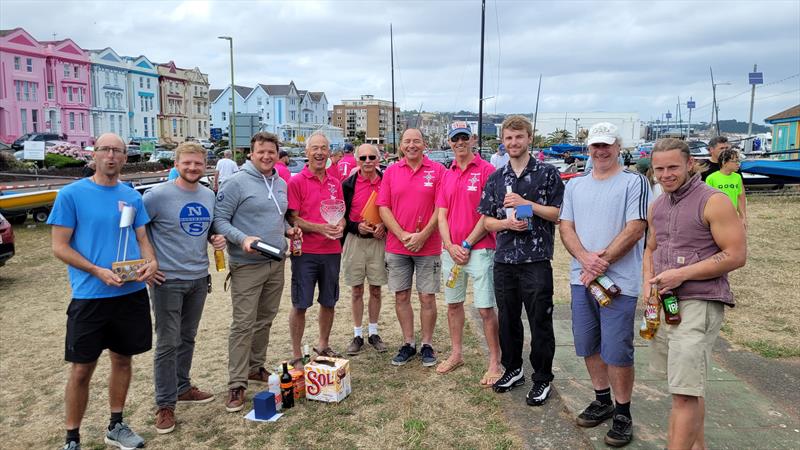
(6, 240)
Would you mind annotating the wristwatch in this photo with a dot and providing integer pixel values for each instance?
(466, 245)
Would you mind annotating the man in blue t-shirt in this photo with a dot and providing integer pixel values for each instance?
(603, 219)
(105, 312)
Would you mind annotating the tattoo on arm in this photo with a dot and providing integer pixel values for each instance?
(719, 257)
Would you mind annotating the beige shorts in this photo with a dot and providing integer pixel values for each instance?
(402, 268)
(682, 352)
(363, 258)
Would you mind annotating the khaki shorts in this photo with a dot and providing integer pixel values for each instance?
(479, 268)
(683, 352)
(401, 272)
(363, 258)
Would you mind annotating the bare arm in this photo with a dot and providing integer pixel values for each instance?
(625, 240)
(148, 253)
(444, 227)
(391, 223)
(63, 251)
(216, 180)
(729, 235)
(742, 207)
(647, 260)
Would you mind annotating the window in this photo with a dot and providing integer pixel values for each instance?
(223, 115)
(81, 92)
(113, 127)
(306, 118)
(141, 82)
(18, 89)
(29, 65)
(145, 127)
(72, 121)
(292, 115)
(76, 71)
(258, 101)
(69, 93)
(230, 100)
(17, 62)
(148, 83)
(23, 115)
(33, 91)
(198, 108)
(174, 127)
(50, 92)
(152, 125)
(199, 128)
(116, 80)
(83, 117)
(108, 78)
(66, 71)
(121, 130)
(35, 119)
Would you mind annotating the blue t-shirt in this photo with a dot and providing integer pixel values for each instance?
(93, 213)
(173, 173)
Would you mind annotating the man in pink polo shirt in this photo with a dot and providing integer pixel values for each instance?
(347, 163)
(319, 262)
(468, 250)
(407, 207)
(281, 166)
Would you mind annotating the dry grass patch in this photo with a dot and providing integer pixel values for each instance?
(390, 407)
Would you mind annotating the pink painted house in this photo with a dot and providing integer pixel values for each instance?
(68, 73)
(23, 85)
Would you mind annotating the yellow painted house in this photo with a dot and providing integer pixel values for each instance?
(786, 132)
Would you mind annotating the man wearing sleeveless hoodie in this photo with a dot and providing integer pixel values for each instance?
(251, 206)
(695, 239)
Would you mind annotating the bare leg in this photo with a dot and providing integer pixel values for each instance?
(621, 382)
(118, 381)
(326, 314)
(358, 304)
(427, 316)
(374, 307)
(405, 314)
(598, 372)
(76, 395)
(297, 325)
(491, 332)
(684, 420)
(700, 440)
(455, 322)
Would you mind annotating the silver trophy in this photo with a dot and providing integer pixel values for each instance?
(332, 210)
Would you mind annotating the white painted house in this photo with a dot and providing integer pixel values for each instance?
(221, 105)
(109, 86)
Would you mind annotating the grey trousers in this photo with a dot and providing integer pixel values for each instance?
(177, 307)
(255, 296)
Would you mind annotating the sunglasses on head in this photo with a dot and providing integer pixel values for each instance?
(460, 137)
(366, 157)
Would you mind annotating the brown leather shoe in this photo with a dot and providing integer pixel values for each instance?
(235, 401)
(165, 420)
(355, 346)
(261, 375)
(377, 342)
(194, 395)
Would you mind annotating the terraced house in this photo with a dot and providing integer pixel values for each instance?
(143, 99)
(197, 103)
(110, 101)
(22, 85)
(173, 120)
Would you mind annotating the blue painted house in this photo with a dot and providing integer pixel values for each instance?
(786, 132)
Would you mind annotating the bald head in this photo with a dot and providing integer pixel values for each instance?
(412, 133)
(109, 139)
(366, 149)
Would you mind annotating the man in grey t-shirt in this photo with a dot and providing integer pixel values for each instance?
(603, 219)
(181, 212)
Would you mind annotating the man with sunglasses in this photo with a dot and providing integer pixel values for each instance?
(363, 252)
(407, 207)
(468, 249)
(105, 312)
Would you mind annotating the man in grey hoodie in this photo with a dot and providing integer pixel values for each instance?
(251, 206)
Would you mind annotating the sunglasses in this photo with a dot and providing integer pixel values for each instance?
(366, 157)
(460, 137)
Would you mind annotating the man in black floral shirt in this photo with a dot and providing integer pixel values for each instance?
(522, 271)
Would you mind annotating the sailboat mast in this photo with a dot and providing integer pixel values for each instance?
(536, 111)
(394, 114)
(480, 91)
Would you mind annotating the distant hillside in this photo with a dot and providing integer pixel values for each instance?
(734, 126)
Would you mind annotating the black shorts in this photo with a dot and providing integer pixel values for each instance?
(120, 324)
(308, 270)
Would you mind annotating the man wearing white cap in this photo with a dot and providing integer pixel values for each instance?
(603, 219)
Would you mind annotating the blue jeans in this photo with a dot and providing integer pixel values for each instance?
(177, 307)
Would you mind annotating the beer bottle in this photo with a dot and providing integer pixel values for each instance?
(306, 355)
(219, 260)
(297, 246)
(419, 225)
(599, 293)
(650, 320)
(453, 277)
(287, 387)
(672, 311)
(608, 284)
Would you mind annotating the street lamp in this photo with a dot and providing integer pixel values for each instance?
(232, 121)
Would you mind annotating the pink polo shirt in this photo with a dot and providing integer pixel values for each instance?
(283, 171)
(460, 193)
(306, 192)
(345, 165)
(364, 188)
(411, 196)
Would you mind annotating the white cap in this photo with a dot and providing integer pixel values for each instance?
(604, 132)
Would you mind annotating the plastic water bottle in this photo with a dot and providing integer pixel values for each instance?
(274, 386)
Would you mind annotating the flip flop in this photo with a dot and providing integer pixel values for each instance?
(490, 378)
(448, 366)
(329, 352)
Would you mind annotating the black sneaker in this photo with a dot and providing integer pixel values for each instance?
(595, 414)
(404, 355)
(509, 380)
(428, 356)
(621, 432)
(538, 393)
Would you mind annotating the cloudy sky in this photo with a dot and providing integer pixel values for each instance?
(631, 56)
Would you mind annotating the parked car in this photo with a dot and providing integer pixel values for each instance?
(6, 241)
(211, 158)
(208, 145)
(440, 156)
(162, 154)
(19, 144)
(296, 164)
(134, 153)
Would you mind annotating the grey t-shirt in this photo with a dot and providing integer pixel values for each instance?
(180, 222)
(600, 210)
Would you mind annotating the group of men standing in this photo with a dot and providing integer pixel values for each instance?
(496, 227)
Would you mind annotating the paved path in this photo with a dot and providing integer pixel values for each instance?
(738, 415)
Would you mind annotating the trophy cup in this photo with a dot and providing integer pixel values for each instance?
(332, 210)
(126, 269)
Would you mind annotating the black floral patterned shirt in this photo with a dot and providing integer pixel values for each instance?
(539, 183)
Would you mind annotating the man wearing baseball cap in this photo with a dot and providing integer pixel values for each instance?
(347, 163)
(603, 219)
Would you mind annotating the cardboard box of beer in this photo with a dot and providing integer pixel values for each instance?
(328, 379)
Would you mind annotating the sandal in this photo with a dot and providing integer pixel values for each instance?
(328, 352)
(490, 378)
(448, 366)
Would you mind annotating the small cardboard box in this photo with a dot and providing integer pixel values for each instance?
(328, 379)
(264, 405)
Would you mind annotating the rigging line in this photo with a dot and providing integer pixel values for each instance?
(497, 23)
(778, 95)
(748, 90)
(780, 81)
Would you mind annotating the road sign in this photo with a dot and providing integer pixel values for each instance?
(756, 77)
(690, 104)
(669, 115)
(33, 150)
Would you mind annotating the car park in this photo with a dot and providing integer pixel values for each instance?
(20, 142)
(6, 240)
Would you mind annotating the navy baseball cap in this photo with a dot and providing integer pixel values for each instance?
(459, 128)
(348, 148)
